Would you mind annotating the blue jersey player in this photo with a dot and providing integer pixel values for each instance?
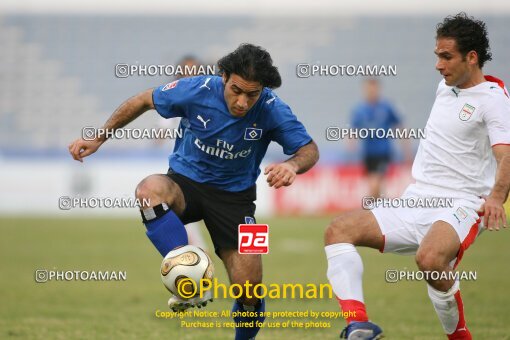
(228, 122)
(375, 113)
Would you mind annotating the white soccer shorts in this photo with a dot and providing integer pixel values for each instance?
(404, 228)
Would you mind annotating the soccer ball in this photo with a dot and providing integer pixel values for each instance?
(183, 268)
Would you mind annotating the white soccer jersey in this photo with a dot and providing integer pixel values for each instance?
(456, 158)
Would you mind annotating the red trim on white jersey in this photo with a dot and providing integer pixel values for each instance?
(499, 82)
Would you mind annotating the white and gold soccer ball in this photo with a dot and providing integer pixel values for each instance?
(183, 268)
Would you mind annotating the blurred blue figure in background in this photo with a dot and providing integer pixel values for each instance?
(376, 113)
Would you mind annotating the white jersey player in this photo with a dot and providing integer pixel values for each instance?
(464, 160)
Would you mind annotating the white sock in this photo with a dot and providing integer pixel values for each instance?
(446, 306)
(345, 271)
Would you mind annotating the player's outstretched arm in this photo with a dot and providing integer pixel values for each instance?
(125, 113)
(494, 212)
(283, 174)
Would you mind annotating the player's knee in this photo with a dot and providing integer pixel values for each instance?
(428, 260)
(338, 232)
(152, 188)
(145, 189)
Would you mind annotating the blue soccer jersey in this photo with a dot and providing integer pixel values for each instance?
(216, 147)
(380, 115)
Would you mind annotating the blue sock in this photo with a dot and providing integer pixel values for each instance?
(245, 333)
(166, 232)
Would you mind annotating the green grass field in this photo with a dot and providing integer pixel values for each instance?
(126, 310)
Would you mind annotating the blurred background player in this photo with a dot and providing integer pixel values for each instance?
(229, 123)
(465, 157)
(376, 113)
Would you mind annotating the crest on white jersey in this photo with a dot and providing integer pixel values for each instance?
(466, 112)
(460, 214)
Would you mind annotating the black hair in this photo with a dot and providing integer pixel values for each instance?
(252, 63)
(470, 35)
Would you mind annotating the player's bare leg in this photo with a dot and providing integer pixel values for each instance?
(345, 268)
(163, 204)
(242, 268)
(159, 189)
(436, 252)
(359, 228)
(437, 249)
(164, 228)
(375, 182)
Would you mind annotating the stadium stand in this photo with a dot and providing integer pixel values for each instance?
(57, 72)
